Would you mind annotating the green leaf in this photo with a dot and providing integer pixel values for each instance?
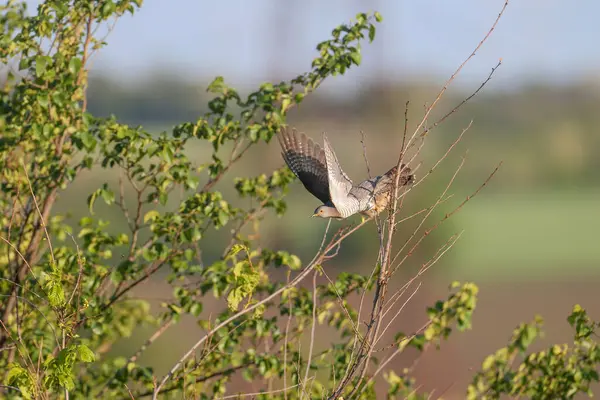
(37, 119)
(163, 198)
(21, 378)
(222, 218)
(246, 280)
(151, 215)
(92, 200)
(285, 104)
(54, 289)
(41, 62)
(216, 85)
(236, 248)
(43, 100)
(234, 298)
(85, 354)
(24, 63)
(108, 8)
(372, 33)
(108, 196)
(293, 262)
(74, 65)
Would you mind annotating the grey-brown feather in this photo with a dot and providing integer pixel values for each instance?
(306, 159)
(384, 186)
(339, 184)
(368, 197)
(321, 174)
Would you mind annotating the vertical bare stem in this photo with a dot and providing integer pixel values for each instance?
(312, 331)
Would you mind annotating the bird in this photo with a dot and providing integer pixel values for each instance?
(321, 174)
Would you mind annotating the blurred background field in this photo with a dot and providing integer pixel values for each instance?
(530, 239)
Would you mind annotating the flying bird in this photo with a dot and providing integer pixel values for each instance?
(321, 174)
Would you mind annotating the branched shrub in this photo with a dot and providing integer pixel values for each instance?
(67, 290)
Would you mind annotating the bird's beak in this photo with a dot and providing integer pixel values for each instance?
(314, 215)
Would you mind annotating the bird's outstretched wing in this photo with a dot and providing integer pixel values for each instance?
(339, 184)
(307, 161)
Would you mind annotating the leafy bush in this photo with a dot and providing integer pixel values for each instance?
(66, 289)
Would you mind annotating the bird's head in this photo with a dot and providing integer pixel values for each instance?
(326, 212)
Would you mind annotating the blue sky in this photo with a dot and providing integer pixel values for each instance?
(249, 40)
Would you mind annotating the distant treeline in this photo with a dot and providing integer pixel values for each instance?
(546, 135)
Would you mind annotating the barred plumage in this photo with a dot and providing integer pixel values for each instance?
(321, 174)
(306, 159)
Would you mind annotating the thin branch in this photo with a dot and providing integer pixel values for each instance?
(439, 253)
(10, 387)
(233, 159)
(342, 306)
(455, 109)
(319, 257)
(84, 58)
(394, 354)
(366, 347)
(80, 263)
(36, 308)
(457, 209)
(237, 396)
(416, 230)
(405, 129)
(364, 147)
(312, 331)
(25, 262)
(439, 161)
(396, 315)
(31, 256)
(285, 340)
(455, 74)
(249, 217)
(42, 217)
(200, 379)
(162, 329)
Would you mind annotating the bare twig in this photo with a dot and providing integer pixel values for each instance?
(439, 253)
(158, 333)
(405, 130)
(455, 74)
(80, 263)
(342, 306)
(458, 208)
(36, 308)
(437, 163)
(365, 156)
(360, 364)
(462, 103)
(31, 256)
(233, 159)
(238, 396)
(285, 340)
(395, 353)
(312, 331)
(40, 215)
(416, 230)
(396, 315)
(200, 379)
(84, 58)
